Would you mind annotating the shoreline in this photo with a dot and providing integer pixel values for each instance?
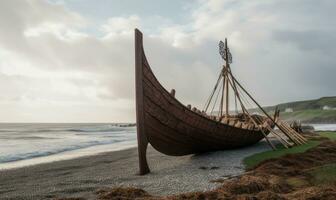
(98, 149)
(298, 175)
(68, 155)
(85, 175)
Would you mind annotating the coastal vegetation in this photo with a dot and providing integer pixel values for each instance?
(305, 173)
(323, 175)
(311, 116)
(329, 134)
(322, 110)
(255, 159)
(309, 104)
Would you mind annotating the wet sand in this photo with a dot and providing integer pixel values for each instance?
(82, 176)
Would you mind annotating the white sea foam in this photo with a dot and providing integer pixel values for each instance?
(324, 127)
(28, 144)
(23, 144)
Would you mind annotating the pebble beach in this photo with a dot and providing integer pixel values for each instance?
(83, 176)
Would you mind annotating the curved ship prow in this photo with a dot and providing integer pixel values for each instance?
(175, 129)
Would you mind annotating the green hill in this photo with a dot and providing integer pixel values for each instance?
(322, 110)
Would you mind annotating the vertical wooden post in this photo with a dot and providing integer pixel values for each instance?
(172, 92)
(235, 90)
(227, 84)
(140, 118)
(275, 113)
(222, 98)
(248, 114)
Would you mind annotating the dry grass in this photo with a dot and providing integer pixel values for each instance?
(122, 193)
(314, 193)
(282, 178)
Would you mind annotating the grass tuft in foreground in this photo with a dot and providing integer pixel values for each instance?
(324, 175)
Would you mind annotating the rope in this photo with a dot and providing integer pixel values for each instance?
(248, 94)
(205, 107)
(215, 100)
(236, 109)
(290, 137)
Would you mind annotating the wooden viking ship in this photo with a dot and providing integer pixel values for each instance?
(175, 129)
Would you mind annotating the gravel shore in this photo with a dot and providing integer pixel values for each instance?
(82, 176)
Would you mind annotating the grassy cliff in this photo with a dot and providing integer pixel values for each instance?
(311, 116)
(310, 111)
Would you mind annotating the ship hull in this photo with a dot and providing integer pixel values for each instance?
(172, 128)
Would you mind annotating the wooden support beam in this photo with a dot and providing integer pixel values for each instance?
(282, 141)
(293, 132)
(265, 136)
(222, 97)
(301, 137)
(248, 114)
(233, 85)
(212, 93)
(289, 132)
(234, 79)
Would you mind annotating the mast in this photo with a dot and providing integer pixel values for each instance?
(226, 80)
(229, 81)
(222, 96)
(224, 51)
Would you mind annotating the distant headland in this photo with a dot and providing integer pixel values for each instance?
(322, 110)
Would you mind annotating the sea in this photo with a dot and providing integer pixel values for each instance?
(29, 144)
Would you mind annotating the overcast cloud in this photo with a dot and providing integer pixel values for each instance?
(73, 61)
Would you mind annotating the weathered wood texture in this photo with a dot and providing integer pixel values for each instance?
(172, 128)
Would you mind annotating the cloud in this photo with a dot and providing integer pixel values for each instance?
(116, 26)
(49, 65)
(308, 40)
(53, 67)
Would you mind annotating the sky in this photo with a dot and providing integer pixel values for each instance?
(73, 60)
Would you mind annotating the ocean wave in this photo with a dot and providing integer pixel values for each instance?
(28, 141)
(26, 138)
(35, 154)
(90, 128)
(324, 127)
(110, 128)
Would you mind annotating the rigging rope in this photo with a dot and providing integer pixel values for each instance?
(216, 100)
(276, 124)
(206, 106)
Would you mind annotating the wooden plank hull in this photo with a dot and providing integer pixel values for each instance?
(172, 128)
